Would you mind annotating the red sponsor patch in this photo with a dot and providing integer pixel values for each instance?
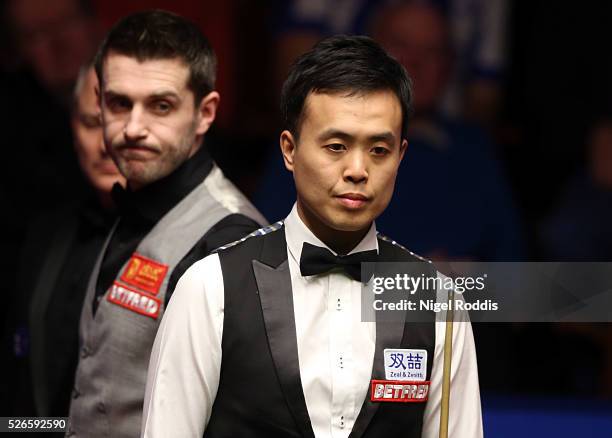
(399, 391)
(134, 300)
(144, 273)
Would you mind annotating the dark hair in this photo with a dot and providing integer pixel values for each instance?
(350, 64)
(162, 35)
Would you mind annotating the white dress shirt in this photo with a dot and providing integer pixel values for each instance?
(335, 350)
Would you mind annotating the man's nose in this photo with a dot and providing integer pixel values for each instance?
(135, 126)
(356, 167)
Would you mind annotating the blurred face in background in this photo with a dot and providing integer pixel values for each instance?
(418, 37)
(55, 38)
(95, 162)
(152, 123)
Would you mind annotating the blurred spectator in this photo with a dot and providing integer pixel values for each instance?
(57, 258)
(54, 39)
(51, 40)
(558, 81)
(452, 200)
(94, 160)
(579, 229)
(477, 32)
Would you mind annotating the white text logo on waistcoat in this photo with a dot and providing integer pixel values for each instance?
(134, 300)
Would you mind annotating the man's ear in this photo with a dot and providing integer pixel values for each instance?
(288, 147)
(403, 147)
(207, 110)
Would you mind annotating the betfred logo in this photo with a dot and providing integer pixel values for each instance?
(399, 391)
(134, 300)
(144, 273)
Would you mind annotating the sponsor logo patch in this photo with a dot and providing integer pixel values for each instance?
(405, 364)
(144, 273)
(134, 300)
(399, 391)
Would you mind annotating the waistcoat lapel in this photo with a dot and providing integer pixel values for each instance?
(276, 297)
(388, 335)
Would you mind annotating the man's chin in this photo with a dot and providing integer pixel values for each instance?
(350, 224)
(137, 178)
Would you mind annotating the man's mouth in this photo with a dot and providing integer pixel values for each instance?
(135, 147)
(353, 200)
(136, 151)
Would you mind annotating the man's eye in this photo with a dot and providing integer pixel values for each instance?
(162, 107)
(119, 104)
(335, 147)
(380, 150)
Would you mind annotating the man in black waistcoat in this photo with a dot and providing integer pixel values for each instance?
(265, 337)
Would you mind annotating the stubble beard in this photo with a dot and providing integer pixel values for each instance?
(145, 172)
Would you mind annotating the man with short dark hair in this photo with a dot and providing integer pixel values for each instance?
(265, 337)
(157, 75)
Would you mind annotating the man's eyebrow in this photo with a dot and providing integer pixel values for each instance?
(111, 93)
(334, 133)
(386, 137)
(163, 94)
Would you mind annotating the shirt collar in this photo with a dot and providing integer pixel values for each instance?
(297, 233)
(156, 199)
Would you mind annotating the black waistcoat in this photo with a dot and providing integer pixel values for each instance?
(260, 391)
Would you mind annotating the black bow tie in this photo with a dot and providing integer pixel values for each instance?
(316, 260)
